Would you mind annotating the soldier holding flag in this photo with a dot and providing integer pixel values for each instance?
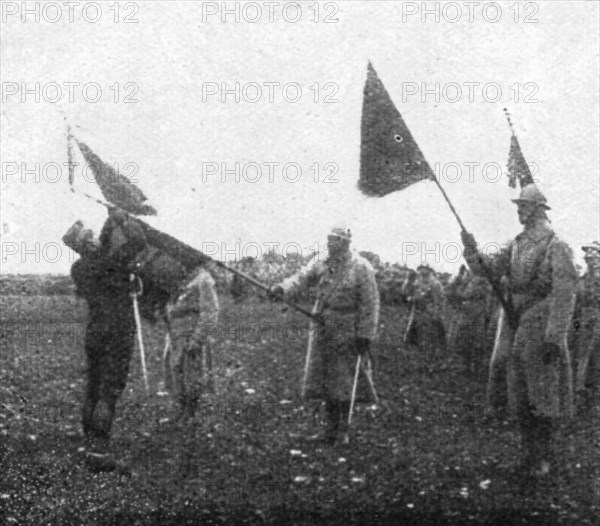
(346, 316)
(102, 278)
(540, 274)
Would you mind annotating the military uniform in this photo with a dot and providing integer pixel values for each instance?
(427, 329)
(587, 320)
(192, 321)
(541, 278)
(470, 338)
(347, 309)
(102, 278)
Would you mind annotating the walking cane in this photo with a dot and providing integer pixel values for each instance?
(369, 376)
(166, 385)
(354, 385)
(138, 328)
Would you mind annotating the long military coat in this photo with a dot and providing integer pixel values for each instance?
(541, 276)
(587, 340)
(193, 319)
(347, 307)
(469, 337)
(427, 329)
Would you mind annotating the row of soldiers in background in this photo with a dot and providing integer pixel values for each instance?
(469, 313)
(457, 316)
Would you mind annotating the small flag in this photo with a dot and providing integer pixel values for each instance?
(390, 159)
(518, 170)
(116, 188)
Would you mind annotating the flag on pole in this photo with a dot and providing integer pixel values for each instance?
(518, 170)
(390, 159)
(116, 188)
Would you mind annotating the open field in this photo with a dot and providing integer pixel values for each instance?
(424, 456)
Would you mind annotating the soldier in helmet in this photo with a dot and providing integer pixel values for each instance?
(541, 277)
(587, 321)
(347, 314)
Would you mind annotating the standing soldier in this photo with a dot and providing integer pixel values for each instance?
(102, 278)
(587, 318)
(426, 293)
(468, 295)
(454, 301)
(541, 282)
(347, 314)
(192, 321)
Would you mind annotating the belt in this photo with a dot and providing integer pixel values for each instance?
(527, 303)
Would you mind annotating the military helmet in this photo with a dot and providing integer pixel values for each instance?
(532, 194)
(341, 230)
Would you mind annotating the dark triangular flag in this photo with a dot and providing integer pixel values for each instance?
(518, 170)
(116, 188)
(390, 159)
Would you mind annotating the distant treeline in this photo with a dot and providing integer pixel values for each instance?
(268, 270)
(36, 285)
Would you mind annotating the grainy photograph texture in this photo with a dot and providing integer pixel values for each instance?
(299, 262)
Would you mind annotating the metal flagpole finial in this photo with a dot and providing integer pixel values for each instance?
(510, 124)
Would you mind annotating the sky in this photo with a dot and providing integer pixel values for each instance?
(241, 121)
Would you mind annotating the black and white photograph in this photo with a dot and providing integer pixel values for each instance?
(300, 262)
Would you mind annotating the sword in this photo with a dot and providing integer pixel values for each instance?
(354, 385)
(411, 317)
(138, 330)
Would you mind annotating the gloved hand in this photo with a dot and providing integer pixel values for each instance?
(118, 215)
(363, 345)
(135, 285)
(275, 293)
(133, 266)
(468, 240)
(470, 251)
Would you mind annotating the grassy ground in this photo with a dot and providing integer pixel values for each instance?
(424, 456)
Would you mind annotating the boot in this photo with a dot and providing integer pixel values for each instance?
(545, 435)
(343, 425)
(98, 458)
(537, 437)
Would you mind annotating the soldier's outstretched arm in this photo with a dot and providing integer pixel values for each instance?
(308, 275)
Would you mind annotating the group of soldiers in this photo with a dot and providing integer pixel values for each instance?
(536, 274)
